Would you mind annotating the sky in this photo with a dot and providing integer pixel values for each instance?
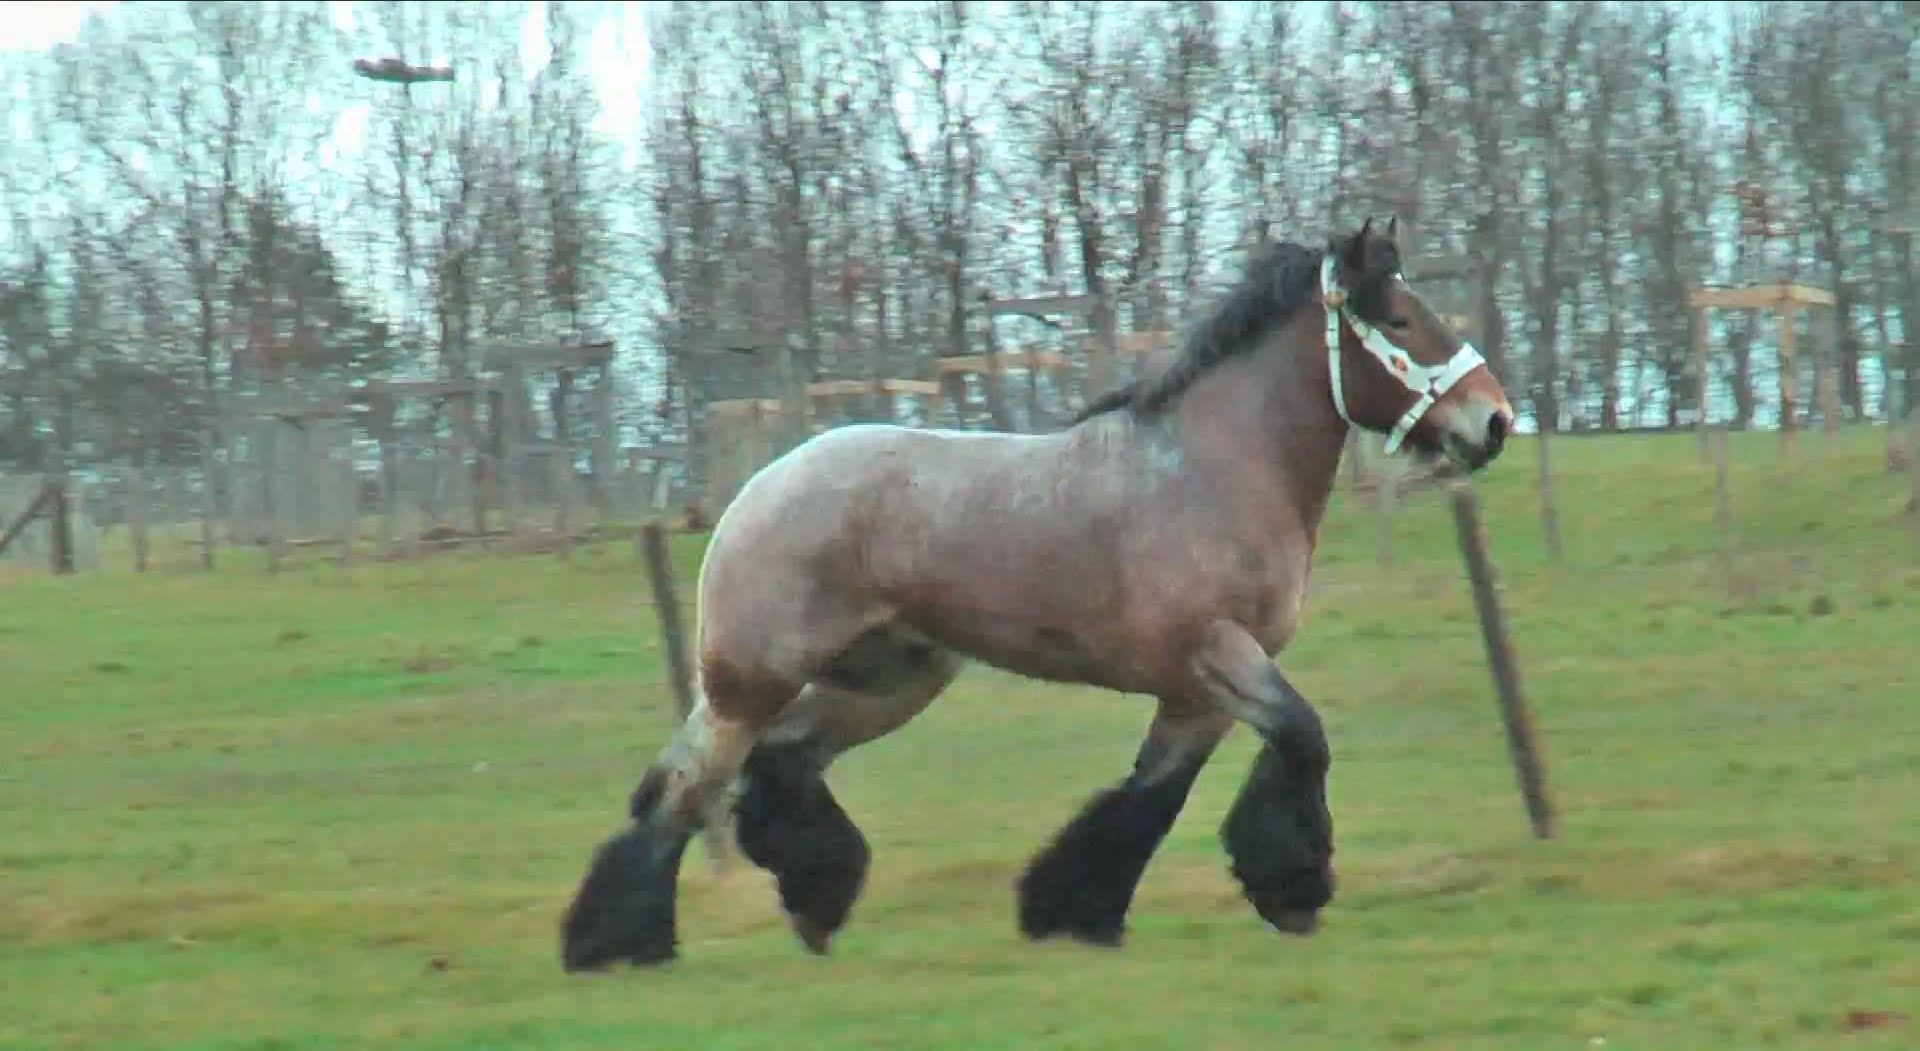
(618, 60)
(32, 25)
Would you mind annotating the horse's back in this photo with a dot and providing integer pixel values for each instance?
(838, 486)
(816, 543)
(861, 456)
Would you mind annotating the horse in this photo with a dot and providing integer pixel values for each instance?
(1159, 544)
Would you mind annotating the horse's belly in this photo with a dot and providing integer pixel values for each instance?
(1024, 648)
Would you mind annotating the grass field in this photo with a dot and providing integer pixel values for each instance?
(343, 809)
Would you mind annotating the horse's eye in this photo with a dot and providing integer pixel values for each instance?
(1398, 324)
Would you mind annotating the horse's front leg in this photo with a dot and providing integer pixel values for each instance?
(1279, 832)
(1083, 882)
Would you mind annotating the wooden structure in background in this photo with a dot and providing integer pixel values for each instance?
(1034, 366)
(871, 400)
(1137, 349)
(53, 503)
(759, 363)
(1786, 299)
(379, 402)
(567, 362)
(308, 484)
(298, 457)
(740, 437)
(744, 434)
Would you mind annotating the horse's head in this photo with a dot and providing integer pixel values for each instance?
(1397, 368)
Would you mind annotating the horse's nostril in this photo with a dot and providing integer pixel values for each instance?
(1496, 433)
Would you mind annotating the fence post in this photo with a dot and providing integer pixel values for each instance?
(60, 521)
(34, 509)
(137, 516)
(1913, 464)
(1522, 741)
(1723, 508)
(719, 835)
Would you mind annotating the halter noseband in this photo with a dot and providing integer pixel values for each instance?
(1431, 382)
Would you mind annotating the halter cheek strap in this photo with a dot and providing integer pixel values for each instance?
(1430, 382)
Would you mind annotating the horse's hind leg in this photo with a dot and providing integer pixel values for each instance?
(624, 908)
(788, 823)
(1082, 884)
(786, 818)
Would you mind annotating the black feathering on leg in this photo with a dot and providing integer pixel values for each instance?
(1279, 835)
(789, 823)
(1083, 882)
(624, 909)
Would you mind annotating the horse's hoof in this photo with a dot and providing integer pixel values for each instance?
(624, 909)
(596, 964)
(817, 937)
(1101, 937)
(1300, 922)
(1084, 930)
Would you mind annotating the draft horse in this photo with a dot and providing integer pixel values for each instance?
(1159, 545)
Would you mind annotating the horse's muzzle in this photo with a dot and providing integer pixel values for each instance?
(1477, 444)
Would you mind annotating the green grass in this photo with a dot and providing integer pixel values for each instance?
(343, 808)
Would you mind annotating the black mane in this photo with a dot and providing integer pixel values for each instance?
(1281, 278)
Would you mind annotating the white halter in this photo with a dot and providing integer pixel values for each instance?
(1428, 381)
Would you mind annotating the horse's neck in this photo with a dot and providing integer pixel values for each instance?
(1269, 416)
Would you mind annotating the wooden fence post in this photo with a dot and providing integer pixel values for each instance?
(719, 835)
(137, 516)
(560, 480)
(1913, 464)
(60, 521)
(1723, 509)
(34, 509)
(1549, 506)
(209, 499)
(1522, 744)
(1386, 495)
(666, 605)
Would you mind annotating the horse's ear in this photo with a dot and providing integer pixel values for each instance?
(1393, 224)
(1365, 228)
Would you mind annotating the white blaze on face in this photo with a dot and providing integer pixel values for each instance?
(1429, 382)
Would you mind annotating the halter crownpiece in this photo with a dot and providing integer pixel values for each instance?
(1430, 382)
